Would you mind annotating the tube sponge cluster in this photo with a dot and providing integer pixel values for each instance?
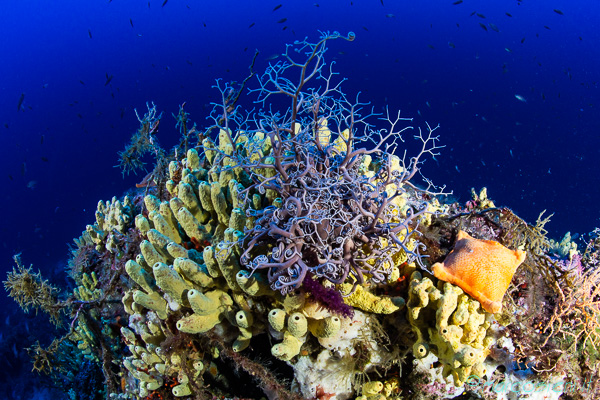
(450, 325)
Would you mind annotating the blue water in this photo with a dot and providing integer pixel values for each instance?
(432, 60)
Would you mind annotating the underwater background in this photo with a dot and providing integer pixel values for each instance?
(513, 85)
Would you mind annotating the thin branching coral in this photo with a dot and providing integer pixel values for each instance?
(30, 291)
(344, 210)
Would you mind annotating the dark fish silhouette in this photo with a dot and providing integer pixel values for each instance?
(44, 159)
(282, 20)
(483, 26)
(82, 82)
(108, 79)
(277, 7)
(558, 12)
(20, 104)
(493, 27)
(480, 15)
(164, 3)
(251, 25)
(131, 22)
(457, 2)
(508, 14)
(90, 33)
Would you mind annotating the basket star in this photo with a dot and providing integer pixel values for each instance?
(482, 268)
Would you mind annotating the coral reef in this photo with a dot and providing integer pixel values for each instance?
(284, 254)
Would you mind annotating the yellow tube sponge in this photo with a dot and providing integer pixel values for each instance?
(187, 195)
(252, 285)
(162, 226)
(211, 261)
(152, 301)
(209, 302)
(199, 323)
(450, 325)
(369, 302)
(150, 254)
(192, 272)
(160, 243)
(219, 203)
(326, 327)
(244, 319)
(277, 319)
(171, 282)
(297, 324)
(288, 349)
(228, 264)
(140, 276)
(175, 250)
(191, 226)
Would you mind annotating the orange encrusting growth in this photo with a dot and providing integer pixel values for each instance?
(482, 268)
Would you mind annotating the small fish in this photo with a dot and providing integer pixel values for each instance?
(451, 45)
(23, 168)
(558, 12)
(457, 170)
(131, 22)
(82, 82)
(511, 153)
(508, 14)
(164, 3)
(522, 40)
(6, 125)
(431, 46)
(45, 159)
(473, 13)
(493, 27)
(204, 23)
(508, 50)
(284, 28)
(108, 79)
(483, 26)
(251, 25)
(316, 4)
(273, 57)
(365, 28)
(90, 33)
(382, 3)
(277, 7)
(42, 139)
(547, 27)
(389, 15)
(520, 98)
(428, 105)
(282, 20)
(148, 4)
(480, 15)
(189, 62)
(122, 113)
(457, 2)
(31, 185)
(20, 104)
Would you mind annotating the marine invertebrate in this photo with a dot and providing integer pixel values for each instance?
(450, 325)
(342, 211)
(30, 291)
(482, 268)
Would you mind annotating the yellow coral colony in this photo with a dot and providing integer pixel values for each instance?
(482, 268)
